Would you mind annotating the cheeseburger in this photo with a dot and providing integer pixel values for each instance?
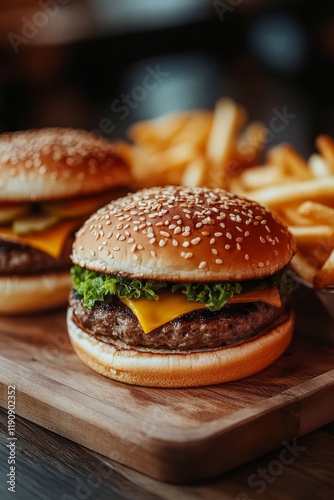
(179, 286)
(51, 180)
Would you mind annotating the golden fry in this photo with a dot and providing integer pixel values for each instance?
(308, 235)
(325, 277)
(318, 166)
(227, 121)
(316, 189)
(318, 212)
(262, 176)
(250, 145)
(158, 132)
(291, 161)
(304, 267)
(325, 144)
(194, 173)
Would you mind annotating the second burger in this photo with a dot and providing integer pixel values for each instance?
(50, 180)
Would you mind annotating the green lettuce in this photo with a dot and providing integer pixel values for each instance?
(93, 287)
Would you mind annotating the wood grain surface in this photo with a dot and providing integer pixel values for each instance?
(177, 435)
(54, 468)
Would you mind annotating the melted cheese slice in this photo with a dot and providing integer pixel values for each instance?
(50, 241)
(172, 305)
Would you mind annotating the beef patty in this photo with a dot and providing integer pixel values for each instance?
(24, 260)
(199, 329)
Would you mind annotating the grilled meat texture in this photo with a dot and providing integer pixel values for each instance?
(200, 329)
(16, 259)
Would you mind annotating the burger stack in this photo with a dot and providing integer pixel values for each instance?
(50, 181)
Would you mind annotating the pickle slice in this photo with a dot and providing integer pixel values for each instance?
(10, 211)
(33, 224)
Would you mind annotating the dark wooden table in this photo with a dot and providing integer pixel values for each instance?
(51, 467)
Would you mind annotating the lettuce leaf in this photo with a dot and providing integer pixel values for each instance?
(93, 287)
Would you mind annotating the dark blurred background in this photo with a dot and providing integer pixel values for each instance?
(103, 64)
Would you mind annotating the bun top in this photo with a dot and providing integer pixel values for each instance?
(177, 233)
(57, 163)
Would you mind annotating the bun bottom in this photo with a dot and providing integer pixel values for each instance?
(30, 294)
(153, 368)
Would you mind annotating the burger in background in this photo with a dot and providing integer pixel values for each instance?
(51, 180)
(178, 286)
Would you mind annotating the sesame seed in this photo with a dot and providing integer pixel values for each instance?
(227, 247)
(260, 264)
(162, 243)
(116, 249)
(151, 241)
(185, 244)
(153, 253)
(92, 252)
(175, 243)
(133, 248)
(218, 261)
(238, 246)
(177, 230)
(188, 255)
(214, 251)
(262, 239)
(131, 240)
(195, 241)
(135, 257)
(164, 233)
(228, 235)
(212, 241)
(202, 264)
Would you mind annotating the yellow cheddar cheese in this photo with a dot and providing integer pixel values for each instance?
(50, 241)
(151, 315)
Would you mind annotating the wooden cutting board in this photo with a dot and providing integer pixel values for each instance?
(176, 435)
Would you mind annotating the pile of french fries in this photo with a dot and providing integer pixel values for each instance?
(194, 148)
(220, 148)
(301, 193)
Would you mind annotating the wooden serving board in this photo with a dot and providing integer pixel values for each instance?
(176, 435)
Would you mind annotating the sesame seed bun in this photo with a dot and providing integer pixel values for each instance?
(30, 294)
(57, 163)
(156, 368)
(179, 233)
(51, 164)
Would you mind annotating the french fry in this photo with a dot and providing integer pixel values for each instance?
(307, 235)
(318, 166)
(325, 277)
(304, 267)
(227, 121)
(317, 211)
(250, 144)
(159, 131)
(316, 189)
(325, 144)
(262, 176)
(194, 173)
(195, 130)
(290, 161)
(202, 147)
